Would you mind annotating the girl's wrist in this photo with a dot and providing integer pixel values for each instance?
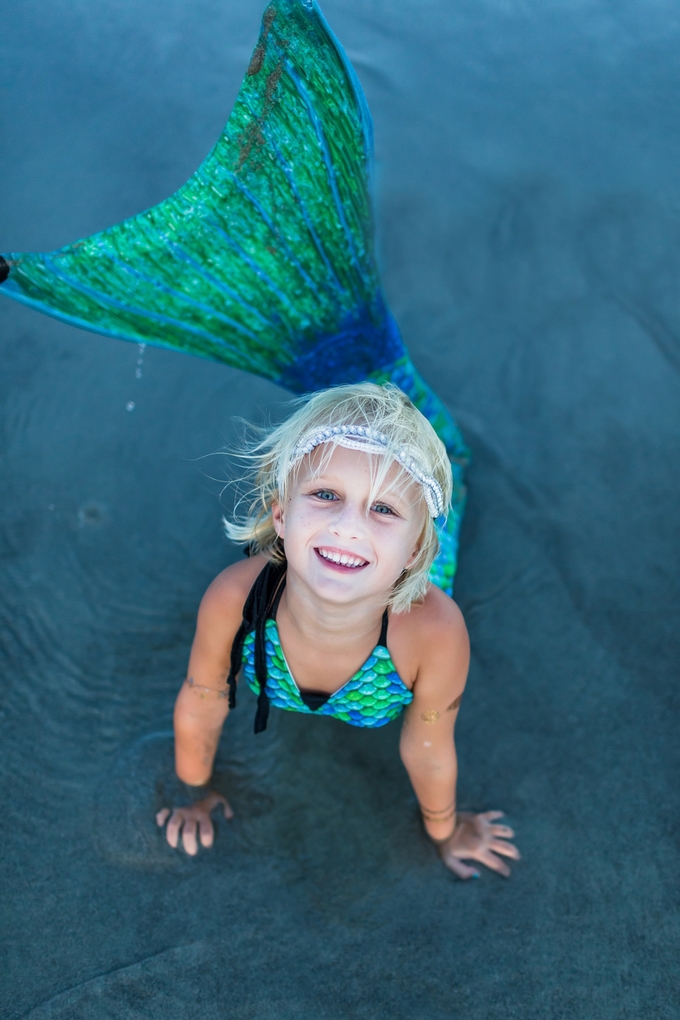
(439, 824)
(189, 793)
(440, 832)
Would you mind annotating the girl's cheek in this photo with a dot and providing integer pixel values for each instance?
(305, 522)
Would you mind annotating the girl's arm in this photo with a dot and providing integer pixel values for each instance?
(202, 705)
(427, 745)
(428, 750)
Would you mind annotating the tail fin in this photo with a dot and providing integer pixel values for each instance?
(264, 259)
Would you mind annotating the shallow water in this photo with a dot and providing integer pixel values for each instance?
(528, 203)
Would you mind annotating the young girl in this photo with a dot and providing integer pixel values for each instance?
(342, 537)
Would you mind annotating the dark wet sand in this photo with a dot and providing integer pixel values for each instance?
(529, 218)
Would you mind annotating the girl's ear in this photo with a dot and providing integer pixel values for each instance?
(412, 558)
(277, 519)
(416, 552)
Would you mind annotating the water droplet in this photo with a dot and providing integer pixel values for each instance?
(130, 406)
(140, 362)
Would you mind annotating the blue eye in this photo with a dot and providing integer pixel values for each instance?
(325, 494)
(383, 509)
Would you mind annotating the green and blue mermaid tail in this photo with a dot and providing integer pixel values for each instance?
(264, 260)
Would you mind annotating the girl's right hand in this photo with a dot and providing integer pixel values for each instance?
(188, 819)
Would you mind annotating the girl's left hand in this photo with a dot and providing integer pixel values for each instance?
(477, 838)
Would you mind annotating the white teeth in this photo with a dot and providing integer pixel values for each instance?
(342, 559)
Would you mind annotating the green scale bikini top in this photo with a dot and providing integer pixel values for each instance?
(374, 696)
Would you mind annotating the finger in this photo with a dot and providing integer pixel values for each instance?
(205, 830)
(494, 863)
(216, 798)
(502, 830)
(491, 816)
(173, 827)
(162, 816)
(189, 837)
(455, 865)
(507, 849)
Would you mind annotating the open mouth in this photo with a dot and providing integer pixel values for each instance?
(341, 560)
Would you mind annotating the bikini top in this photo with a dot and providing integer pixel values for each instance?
(374, 696)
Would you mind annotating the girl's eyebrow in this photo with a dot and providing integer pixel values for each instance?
(319, 480)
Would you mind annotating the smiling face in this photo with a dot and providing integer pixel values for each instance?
(342, 539)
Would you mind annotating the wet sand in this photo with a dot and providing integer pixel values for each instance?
(529, 229)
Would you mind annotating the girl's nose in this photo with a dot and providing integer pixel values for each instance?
(349, 522)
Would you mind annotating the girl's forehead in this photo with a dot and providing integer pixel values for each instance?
(355, 468)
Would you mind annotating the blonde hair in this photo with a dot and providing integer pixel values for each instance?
(383, 409)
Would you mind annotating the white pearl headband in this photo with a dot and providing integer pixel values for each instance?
(360, 437)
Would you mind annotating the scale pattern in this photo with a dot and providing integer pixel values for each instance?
(268, 247)
(373, 697)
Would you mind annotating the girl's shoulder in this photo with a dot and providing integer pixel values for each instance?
(430, 634)
(437, 617)
(222, 604)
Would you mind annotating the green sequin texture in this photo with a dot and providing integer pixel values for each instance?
(372, 697)
(266, 247)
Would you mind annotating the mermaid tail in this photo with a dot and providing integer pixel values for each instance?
(264, 260)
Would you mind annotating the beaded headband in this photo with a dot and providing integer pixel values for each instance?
(368, 440)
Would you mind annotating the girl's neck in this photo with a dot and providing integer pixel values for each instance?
(318, 620)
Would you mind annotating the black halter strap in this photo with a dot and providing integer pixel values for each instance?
(382, 640)
(262, 602)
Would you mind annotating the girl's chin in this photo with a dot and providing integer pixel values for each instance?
(347, 586)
